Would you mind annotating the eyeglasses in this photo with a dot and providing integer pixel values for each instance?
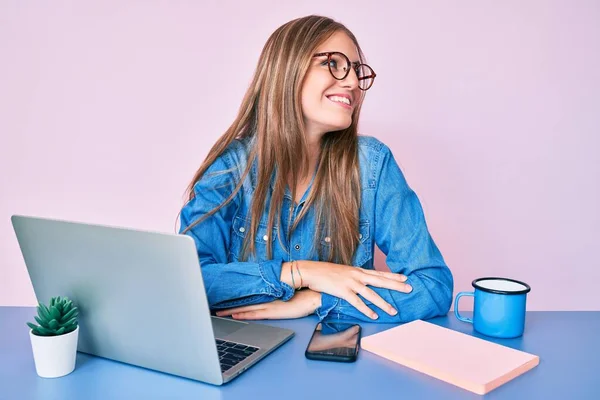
(339, 67)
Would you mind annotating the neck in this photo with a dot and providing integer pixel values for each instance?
(314, 150)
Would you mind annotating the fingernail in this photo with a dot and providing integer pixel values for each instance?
(393, 311)
(409, 288)
(374, 316)
(403, 278)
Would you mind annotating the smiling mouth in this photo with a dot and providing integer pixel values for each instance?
(342, 101)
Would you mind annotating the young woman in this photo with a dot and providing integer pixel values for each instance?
(290, 202)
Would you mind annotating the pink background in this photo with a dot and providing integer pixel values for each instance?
(491, 108)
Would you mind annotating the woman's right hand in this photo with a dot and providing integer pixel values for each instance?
(348, 282)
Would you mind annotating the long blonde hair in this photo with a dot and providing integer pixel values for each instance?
(271, 114)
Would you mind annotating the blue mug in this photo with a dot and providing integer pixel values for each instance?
(499, 307)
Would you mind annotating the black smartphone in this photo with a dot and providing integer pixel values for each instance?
(334, 341)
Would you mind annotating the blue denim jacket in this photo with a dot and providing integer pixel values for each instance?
(391, 217)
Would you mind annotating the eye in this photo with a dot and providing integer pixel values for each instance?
(332, 63)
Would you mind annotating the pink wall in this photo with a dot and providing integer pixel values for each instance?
(106, 110)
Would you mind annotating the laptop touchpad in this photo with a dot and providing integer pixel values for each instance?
(224, 327)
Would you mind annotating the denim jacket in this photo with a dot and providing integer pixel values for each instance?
(390, 217)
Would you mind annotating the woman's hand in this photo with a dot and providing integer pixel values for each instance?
(348, 282)
(304, 303)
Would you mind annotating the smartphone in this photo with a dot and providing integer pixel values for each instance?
(334, 341)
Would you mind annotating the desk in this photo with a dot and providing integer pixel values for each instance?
(567, 343)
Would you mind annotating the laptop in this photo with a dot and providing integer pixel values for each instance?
(141, 299)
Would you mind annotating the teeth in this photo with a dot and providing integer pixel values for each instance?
(340, 99)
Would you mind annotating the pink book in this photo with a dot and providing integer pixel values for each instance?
(465, 361)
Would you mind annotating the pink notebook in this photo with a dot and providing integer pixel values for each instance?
(465, 361)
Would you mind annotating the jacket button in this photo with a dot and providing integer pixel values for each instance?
(242, 229)
(328, 239)
(297, 247)
(360, 236)
(265, 238)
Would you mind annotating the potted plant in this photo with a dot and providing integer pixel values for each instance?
(54, 340)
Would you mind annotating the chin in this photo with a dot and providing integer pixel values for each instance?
(339, 125)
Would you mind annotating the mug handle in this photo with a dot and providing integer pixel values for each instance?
(458, 296)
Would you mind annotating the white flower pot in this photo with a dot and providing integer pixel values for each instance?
(54, 356)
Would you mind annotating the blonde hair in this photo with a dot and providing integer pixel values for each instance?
(271, 114)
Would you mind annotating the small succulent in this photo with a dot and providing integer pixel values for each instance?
(59, 318)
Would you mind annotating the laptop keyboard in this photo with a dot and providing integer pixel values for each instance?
(231, 353)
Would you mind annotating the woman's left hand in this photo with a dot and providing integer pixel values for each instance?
(304, 303)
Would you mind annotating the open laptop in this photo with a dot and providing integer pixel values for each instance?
(141, 299)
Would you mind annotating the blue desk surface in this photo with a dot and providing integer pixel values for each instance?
(567, 343)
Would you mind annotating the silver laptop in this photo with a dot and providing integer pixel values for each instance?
(141, 299)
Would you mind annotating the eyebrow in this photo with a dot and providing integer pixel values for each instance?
(355, 63)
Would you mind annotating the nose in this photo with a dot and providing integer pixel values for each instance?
(351, 80)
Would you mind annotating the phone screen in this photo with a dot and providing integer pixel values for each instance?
(334, 341)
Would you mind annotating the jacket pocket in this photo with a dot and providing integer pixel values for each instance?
(241, 228)
(363, 250)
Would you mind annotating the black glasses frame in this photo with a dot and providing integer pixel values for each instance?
(349, 65)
